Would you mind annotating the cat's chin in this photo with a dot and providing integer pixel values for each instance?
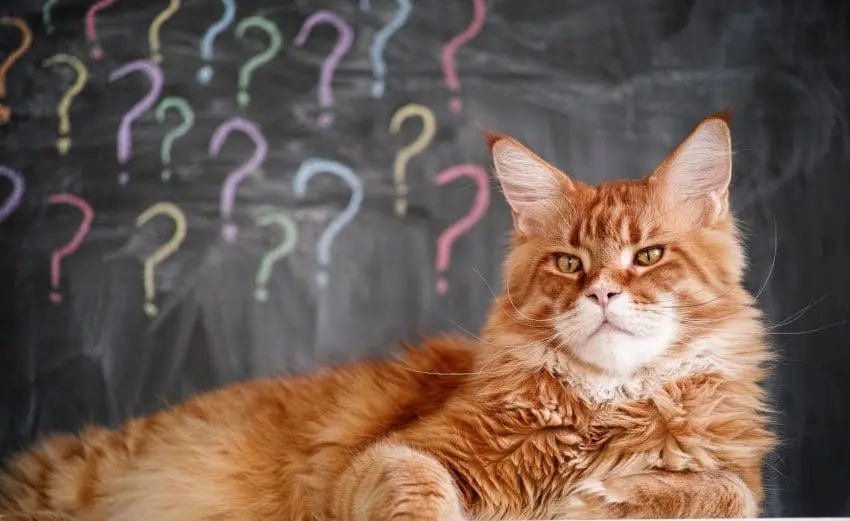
(618, 352)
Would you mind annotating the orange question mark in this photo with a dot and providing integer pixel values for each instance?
(26, 42)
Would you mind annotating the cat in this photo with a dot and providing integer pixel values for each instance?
(617, 375)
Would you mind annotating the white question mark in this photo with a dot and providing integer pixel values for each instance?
(376, 52)
(206, 72)
(308, 169)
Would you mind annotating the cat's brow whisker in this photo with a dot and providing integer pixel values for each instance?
(436, 373)
(523, 315)
(703, 328)
(696, 323)
(772, 263)
(692, 320)
(793, 317)
(510, 299)
(808, 331)
(504, 368)
(699, 304)
(490, 342)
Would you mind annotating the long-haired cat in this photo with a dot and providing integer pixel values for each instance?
(616, 376)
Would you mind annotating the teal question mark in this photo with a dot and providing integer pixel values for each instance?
(188, 115)
(290, 237)
(259, 60)
(46, 15)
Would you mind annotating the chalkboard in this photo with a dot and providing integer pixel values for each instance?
(195, 192)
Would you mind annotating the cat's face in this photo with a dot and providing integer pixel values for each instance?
(626, 272)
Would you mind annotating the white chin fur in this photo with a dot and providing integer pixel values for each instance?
(640, 335)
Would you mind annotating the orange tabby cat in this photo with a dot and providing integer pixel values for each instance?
(617, 376)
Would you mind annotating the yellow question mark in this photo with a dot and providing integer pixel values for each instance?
(64, 142)
(26, 42)
(164, 251)
(429, 128)
(153, 32)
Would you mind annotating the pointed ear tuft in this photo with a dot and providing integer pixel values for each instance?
(530, 184)
(725, 115)
(698, 173)
(491, 137)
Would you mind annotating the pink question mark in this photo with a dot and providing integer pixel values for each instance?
(343, 44)
(96, 51)
(71, 247)
(14, 198)
(479, 208)
(125, 140)
(451, 48)
(228, 194)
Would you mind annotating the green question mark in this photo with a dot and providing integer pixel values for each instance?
(188, 116)
(290, 237)
(261, 59)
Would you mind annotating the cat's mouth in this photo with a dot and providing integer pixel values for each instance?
(606, 327)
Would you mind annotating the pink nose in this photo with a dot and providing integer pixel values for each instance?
(603, 294)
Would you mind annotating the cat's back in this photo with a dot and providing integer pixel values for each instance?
(262, 449)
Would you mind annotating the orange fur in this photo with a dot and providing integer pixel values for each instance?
(514, 424)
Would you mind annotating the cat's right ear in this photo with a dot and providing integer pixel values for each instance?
(532, 187)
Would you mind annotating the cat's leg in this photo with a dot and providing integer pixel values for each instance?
(393, 482)
(35, 516)
(662, 494)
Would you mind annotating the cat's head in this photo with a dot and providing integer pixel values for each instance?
(625, 273)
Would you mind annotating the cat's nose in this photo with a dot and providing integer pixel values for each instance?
(602, 293)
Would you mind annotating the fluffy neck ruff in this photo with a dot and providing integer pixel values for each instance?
(734, 348)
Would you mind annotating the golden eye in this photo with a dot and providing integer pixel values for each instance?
(649, 256)
(567, 263)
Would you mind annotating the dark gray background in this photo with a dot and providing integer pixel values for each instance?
(603, 89)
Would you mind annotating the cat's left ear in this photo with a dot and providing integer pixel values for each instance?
(696, 177)
(532, 187)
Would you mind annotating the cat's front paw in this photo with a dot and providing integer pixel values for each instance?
(593, 499)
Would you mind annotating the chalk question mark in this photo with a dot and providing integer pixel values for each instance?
(64, 141)
(206, 72)
(259, 60)
(343, 44)
(306, 171)
(14, 199)
(451, 48)
(290, 238)
(229, 231)
(479, 208)
(26, 42)
(91, 31)
(188, 116)
(153, 31)
(46, 15)
(429, 128)
(163, 252)
(125, 139)
(63, 252)
(376, 52)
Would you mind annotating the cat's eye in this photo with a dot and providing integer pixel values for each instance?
(567, 263)
(649, 256)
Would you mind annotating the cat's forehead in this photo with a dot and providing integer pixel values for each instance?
(613, 215)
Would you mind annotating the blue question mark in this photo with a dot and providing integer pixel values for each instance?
(205, 73)
(308, 169)
(376, 52)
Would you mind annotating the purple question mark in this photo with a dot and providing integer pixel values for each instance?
(343, 44)
(125, 140)
(14, 198)
(228, 192)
